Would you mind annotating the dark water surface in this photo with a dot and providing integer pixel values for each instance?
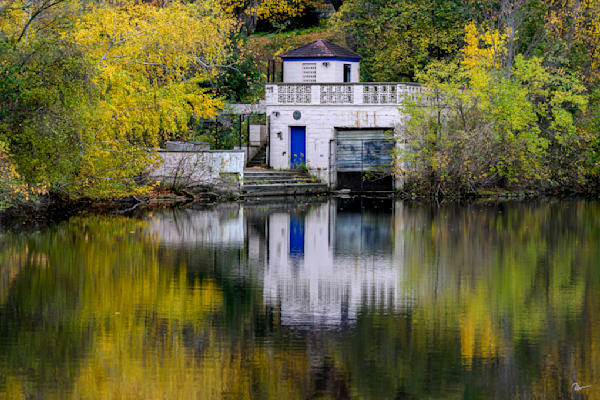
(340, 299)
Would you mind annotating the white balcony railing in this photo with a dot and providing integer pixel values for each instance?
(340, 93)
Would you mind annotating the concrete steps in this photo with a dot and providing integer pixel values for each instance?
(288, 189)
(259, 159)
(264, 182)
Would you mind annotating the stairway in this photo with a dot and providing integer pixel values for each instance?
(259, 159)
(265, 182)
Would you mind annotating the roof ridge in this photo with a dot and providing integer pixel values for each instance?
(327, 44)
(321, 48)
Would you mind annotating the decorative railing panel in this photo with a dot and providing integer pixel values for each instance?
(380, 94)
(410, 92)
(341, 94)
(294, 94)
(337, 94)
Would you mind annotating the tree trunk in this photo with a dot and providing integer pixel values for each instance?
(336, 4)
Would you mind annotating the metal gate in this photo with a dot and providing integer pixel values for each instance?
(366, 154)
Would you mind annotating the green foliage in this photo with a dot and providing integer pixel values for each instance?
(13, 190)
(484, 122)
(92, 89)
(46, 103)
(241, 81)
(398, 37)
(592, 124)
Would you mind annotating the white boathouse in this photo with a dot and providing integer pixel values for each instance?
(322, 118)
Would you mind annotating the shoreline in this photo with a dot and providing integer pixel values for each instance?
(52, 208)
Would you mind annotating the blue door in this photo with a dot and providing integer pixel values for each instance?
(298, 150)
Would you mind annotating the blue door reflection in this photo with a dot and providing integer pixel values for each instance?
(297, 235)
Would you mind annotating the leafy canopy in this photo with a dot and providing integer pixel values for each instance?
(398, 37)
(489, 120)
(122, 75)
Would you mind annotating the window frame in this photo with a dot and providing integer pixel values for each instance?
(309, 72)
(347, 73)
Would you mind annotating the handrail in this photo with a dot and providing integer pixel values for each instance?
(357, 93)
(344, 83)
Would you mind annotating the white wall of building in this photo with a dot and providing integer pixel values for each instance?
(320, 122)
(327, 71)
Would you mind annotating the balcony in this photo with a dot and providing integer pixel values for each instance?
(340, 93)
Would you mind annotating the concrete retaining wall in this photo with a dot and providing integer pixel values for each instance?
(246, 109)
(258, 134)
(221, 168)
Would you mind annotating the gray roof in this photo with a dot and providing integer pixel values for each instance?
(320, 49)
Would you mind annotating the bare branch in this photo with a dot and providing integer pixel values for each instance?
(46, 4)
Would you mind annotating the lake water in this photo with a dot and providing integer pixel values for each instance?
(345, 298)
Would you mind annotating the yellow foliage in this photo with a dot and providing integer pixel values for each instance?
(483, 50)
(578, 22)
(150, 64)
(12, 187)
(12, 14)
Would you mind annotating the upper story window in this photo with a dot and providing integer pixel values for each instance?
(309, 72)
(347, 72)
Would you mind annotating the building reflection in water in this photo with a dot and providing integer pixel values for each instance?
(347, 264)
(318, 263)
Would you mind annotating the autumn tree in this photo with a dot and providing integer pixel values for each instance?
(150, 65)
(94, 88)
(576, 24)
(490, 120)
(45, 94)
(398, 37)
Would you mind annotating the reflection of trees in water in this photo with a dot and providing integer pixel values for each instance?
(105, 317)
(504, 305)
(505, 302)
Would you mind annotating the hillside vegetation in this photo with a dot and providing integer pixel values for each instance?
(267, 46)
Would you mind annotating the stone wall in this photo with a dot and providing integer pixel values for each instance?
(246, 109)
(223, 169)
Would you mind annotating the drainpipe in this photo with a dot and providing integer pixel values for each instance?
(248, 137)
(268, 136)
(240, 130)
(282, 73)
